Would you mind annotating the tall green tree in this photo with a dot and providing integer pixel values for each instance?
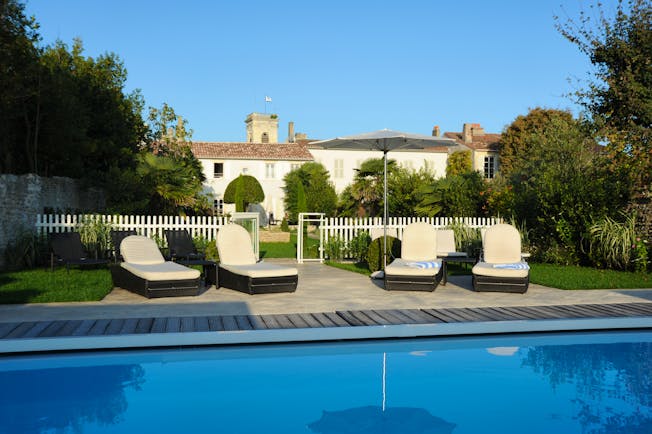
(619, 96)
(516, 140)
(561, 186)
(168, 167)
(367, 190)
(19, 76)
(319, 190)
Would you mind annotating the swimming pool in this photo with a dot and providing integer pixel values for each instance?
(564, 383)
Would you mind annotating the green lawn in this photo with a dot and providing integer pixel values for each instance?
(45, 286)
(572, 277)
(289, 250)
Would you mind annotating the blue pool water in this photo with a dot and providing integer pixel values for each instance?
(573, 383)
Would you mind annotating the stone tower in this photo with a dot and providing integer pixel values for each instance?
(262, 128)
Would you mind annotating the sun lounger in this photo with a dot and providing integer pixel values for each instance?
(502, 268)
(67, 249)
(145, 271)
(418, 268)
(116, 238)
(239, 270)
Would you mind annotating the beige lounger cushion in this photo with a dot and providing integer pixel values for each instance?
(401, 267)
(234, 246)
(419, 242)
(487, 269)
(163, 271)
(137, 249)
(502, 245)
(261, 269)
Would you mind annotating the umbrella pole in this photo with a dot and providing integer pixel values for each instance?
(385, 210)
(384, 381)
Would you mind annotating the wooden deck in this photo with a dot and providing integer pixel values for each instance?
(95, 334)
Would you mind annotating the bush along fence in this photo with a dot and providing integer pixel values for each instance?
(345, 237)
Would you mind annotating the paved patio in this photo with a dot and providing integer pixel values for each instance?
(321, 289)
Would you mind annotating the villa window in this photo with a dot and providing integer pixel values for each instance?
(339, 169)
(269, 170)
(218, 170)
(294, 166)
(265, 138)
(245, 170)
(218, 207)
(489, 166)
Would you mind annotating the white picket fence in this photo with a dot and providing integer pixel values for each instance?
(153, 226)
(347, 228)
(150, 226)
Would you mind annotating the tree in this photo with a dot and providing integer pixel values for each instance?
(319, 191)
(561, 186)
(168, 167)
(454, 196)
(515, 141)
(459, 162)
(619, 99)
(250, 192)
(19, 71)
(367, 189)
(302, 205)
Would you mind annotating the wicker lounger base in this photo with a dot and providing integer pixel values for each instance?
(500, 284)
(257, 285)
(153, 288)
(413, 283)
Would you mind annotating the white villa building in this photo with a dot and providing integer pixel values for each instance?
(264, 158)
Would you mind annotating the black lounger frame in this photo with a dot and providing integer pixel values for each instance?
(124, 279)
(516, 285)
(413, 283)
(257, 285)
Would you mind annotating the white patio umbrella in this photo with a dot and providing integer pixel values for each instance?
(385, 141)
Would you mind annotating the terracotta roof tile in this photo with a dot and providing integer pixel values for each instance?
(252, 151)
(488, 141)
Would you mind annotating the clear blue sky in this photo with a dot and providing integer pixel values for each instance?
(333, 67)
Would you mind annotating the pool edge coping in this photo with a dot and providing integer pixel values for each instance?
(299, 335)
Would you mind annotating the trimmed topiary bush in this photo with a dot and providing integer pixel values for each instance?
(375, 252)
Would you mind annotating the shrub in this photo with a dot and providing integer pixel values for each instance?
(334, 248)
(95, 234)
(467, 239)
(375, 252)
(28, 250)
(615, 244)
(358, 246)
(285, 227)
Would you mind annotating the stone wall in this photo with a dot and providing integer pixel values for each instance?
(22, 197)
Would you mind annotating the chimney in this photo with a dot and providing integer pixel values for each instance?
(467, 133)
(435, 131)
(477, 130)
(290, 132)
(301, 136)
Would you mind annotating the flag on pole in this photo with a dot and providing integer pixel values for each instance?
(268, 99)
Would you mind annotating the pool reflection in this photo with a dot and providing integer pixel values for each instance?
(505, 385)
(45, 400)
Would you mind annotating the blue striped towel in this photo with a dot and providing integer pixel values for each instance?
(517, 266)
(423, 264)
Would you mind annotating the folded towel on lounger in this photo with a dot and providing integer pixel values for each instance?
(423, 264)
(517, 266)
